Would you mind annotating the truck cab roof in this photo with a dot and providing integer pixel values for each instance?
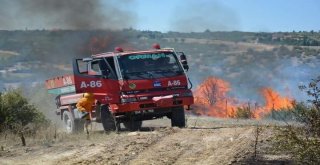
(110, 54)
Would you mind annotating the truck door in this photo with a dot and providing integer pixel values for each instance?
(97, 76)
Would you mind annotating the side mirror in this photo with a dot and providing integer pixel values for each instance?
(183, 60)
(185, 65)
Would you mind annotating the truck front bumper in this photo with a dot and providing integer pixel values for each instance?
(150, 104)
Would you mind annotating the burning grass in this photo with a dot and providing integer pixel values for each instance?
(211, 98)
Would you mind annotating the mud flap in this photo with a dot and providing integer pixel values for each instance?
(98, 113)
(79, 115)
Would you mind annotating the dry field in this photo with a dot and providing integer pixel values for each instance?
(204, 141)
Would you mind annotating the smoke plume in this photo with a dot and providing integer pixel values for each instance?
(65, 14)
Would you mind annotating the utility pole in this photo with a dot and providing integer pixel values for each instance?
(249, 109)
(227, 108)
(272, 111)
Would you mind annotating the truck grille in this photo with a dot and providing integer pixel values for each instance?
(177, 102)
(154, 90)
(149, 105)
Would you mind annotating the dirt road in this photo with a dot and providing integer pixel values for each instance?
(153, 145)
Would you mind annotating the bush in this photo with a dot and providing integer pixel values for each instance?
(310, 117)
(311, 114)
(296, 141)
(243, 113)
(303, 141)
(16, 111)
(283, 114)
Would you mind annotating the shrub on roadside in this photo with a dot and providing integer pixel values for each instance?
(281, 115)
(302, 141)
(243, 113)
(16, 111)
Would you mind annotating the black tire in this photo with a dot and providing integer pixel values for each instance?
(72, 125)
(107, 120)
(132, 125)
(178, 117)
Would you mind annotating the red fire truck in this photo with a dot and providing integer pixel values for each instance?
(128, 86)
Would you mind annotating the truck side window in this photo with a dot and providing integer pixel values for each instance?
(112, 65)
(95, 68)
(108, 69)
(82, 67)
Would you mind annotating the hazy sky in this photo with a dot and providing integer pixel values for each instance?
(164, 15)
(243, 15)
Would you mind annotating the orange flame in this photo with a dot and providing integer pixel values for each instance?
(212, 100)
(273, 101)
(212, 97)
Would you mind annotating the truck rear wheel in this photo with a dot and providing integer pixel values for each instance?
(132, 125)
(70, 124)
(107, 120)
(178, 117)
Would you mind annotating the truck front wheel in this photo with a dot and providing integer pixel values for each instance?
(107, 120)
(70, 124)
(178, 117)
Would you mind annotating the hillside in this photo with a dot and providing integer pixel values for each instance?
(247, 60)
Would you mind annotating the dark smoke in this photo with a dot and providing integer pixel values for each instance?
(65, 14)
(195, 16)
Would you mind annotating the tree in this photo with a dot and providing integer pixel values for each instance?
(16, 110)
(213, 90)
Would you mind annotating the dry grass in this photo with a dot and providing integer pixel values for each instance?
(223, 141)
(50, 136)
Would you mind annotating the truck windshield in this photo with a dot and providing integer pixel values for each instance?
(149, 66)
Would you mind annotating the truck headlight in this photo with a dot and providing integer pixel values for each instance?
(143, 98)
(186, 94)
